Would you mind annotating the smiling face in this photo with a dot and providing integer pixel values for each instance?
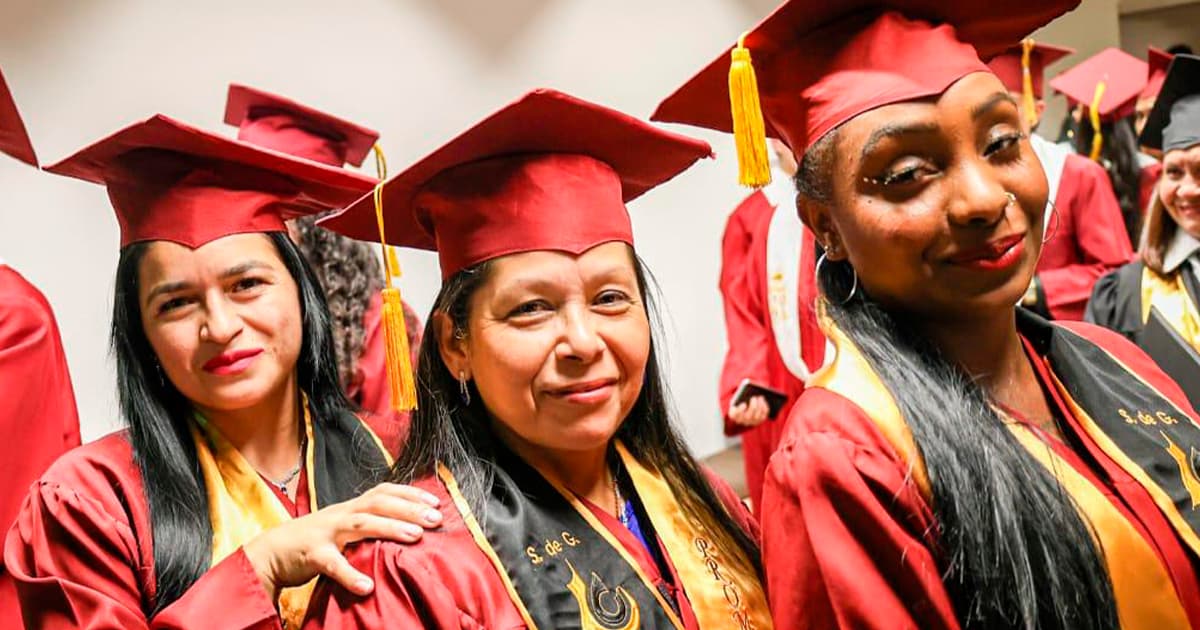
(557, 347)
(223, 319)
(937, 204)
(1179, 188)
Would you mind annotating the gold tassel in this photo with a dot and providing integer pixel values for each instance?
(1028, 100)
(400, 376)
(749, 131)
(1094, 117)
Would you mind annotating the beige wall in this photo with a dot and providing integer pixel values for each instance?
(418, 70)
(1161, 27)
(1089, 29)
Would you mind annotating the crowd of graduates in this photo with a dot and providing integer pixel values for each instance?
(964, 359)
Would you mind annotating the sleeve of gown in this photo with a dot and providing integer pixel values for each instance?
(842, 544)
(1101, 241)
(1112, 304)
(76, 566)
(746, 330)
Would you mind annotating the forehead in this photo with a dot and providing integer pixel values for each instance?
(953, 106)
(555, 266)
(1190, 155)
(166, 260)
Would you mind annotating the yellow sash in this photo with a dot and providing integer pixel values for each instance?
(1145, 596)
(1170, 297)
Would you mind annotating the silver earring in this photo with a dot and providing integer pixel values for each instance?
(853, 288)
(464, 391)
(1012, 199)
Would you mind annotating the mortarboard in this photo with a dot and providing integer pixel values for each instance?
(546, 172)
(1022, 69)
(286, 126)
(13, 138)
(1157, 62)
(171, 181)
(1174, 123)
(1107, 84)
(817, 64)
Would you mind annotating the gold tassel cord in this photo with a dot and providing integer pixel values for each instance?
(749, 130)
(1094, 117)
(401, 379)
(1028, 99)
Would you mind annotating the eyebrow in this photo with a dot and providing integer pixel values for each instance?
(894, 130)
(983, 108)
(236, 270)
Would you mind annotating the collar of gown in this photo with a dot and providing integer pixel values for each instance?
(1183, 247)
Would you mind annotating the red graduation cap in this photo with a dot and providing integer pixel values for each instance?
(1157, 62)
(1112, 75)
(170, 181)
(289, 127)
(546, 172)
(13, 138)
(817, 64)
(1010, 67)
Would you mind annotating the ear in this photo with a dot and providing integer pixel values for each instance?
(816, 217)
(452, 346)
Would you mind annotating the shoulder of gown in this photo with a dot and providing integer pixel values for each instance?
(1116, 302)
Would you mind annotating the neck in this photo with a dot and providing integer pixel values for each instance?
(988, 348)
(267, 433)
(585, 473)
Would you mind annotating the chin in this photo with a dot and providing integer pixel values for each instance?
(233, 396)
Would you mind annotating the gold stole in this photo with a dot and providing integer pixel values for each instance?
(722, 589)
(242, 506)
(1145, 595)
(1171, 298)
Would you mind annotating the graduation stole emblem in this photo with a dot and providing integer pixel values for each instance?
(337, 459)
(564, 569)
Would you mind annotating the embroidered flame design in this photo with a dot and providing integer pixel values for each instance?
(602, 608)
(1187, 469)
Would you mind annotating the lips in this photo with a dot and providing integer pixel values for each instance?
(231, 362)
(586, 392)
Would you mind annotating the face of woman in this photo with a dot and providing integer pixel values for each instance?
(224, 319)
(1179, 188)
(922, 206)
(557, 346)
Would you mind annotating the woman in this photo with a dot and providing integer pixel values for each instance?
(961, 463)
(227, 381)
(1166, 277)
(542, 415)
(348, 270)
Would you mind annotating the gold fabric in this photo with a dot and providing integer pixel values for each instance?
(1170, 297)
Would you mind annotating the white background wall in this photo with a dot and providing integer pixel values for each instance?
(418, 70)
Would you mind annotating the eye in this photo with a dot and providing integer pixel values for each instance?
(529, 309)
(906, 172)
(245, 284)
(1004, 144)
(173, 304)
(613, 298)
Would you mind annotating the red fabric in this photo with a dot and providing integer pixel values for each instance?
(81, 553)
(14, 140)
(445, 582)
(821, 63)
(1157, 62)
(1007, 66)
(1148, 184)
(38, 405)
(1087, 238)
(301, 505)
(170, 181)
(279, 123)
(752, 352)
(848, 543)
(546, 172)
(370, 389)
(735, 243)
(1123, 75)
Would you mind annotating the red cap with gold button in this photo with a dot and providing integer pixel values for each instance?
(286, 126)
(1109, 82)
(170, 181)
(547, 172)
(816, 64)
(13, 138)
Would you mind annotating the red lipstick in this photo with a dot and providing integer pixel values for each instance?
(1001, 253)
(232, 362)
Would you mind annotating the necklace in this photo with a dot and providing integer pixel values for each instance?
(282, 484)
(618, 503)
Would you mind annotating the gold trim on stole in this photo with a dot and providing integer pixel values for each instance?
(1172, 299)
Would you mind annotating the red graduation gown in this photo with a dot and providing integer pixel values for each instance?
(81, 553)
(848, 544)
(752, 352)
(736, 240)
(445, 582)
(37, 403)
(370, 388)
(1087, 239)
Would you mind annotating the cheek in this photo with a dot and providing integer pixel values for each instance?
(277, 320)
(174, 344)
(883, 236)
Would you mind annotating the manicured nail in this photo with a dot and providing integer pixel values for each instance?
(364, 585)
(411, 530)
(433, 517)
(431, 500)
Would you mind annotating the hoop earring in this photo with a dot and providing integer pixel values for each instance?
(464, 391)
(853, 288)
(1057, 220)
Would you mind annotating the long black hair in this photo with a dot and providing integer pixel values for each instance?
(1014, 551)
(1119, 156)
(458, 435)
(158, 416)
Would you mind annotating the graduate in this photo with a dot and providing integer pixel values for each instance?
(39, 402)
(770, 321)
(961, 463)
(1157, 62)
(542, 416)
(1107, 86)
(1085, 235)
(348, 270)
(1166, 275)
(235, 483)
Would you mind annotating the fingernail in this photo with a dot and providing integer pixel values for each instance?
(364, 585)
(410, 529)
(431, 500)
(433, 517)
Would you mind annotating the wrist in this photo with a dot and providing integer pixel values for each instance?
(260, 561)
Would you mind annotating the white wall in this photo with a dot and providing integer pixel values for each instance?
(418, 70)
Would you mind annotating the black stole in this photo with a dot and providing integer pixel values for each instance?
(347, 458)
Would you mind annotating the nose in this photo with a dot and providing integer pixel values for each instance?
(979, 197)
(221, 323)
(580, 340)
(1189, 189)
